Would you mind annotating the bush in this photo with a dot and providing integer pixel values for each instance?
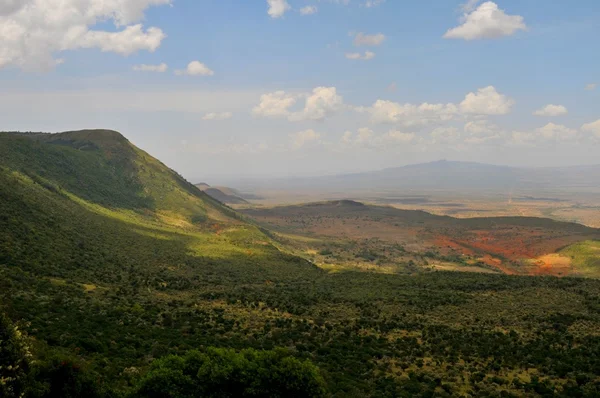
(226, 373)
(14, 362)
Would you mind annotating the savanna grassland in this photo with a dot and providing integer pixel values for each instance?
(342, 234)
(125, 280)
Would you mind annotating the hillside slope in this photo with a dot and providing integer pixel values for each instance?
(95, 207)
(222, 194)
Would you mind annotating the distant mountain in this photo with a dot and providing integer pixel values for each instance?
(448, 176)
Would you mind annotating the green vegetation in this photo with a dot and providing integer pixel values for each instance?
(226, 373)
(130, 289)
(14, 361)
(585, 257)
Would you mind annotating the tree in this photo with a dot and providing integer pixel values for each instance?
(219, 372)
(62, 377)
(14, 360)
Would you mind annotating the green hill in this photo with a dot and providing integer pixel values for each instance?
(90, 204)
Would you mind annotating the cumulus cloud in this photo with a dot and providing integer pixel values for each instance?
(361, 39)
(551, 110)
(358, 56)
(151, 68)
(323, 102)
(481, 131)
(548, 133)
(480, 127)
(591, 86)
(275, 104)
(486, 22)
(593, 128)
(308, 10)
(277, 8)
(305, 138)
(320, 104)
(383, 111)
(556, 132)
(487, 101)
(218, 116)
(195, 68)
(363, 138)
(33, 31)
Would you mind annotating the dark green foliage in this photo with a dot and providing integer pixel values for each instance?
(14, 362)
(227, 373)
(62, 377)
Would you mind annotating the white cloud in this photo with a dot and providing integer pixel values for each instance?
(275, 104)
(363, 138)
(358, 56)
(487, 101)
(323, 102)
(305, 138)
(195, 68)
(277, 8)
(151, 68)
(373, 3)
(33, 31)
(486, 22)
(218, 116)
(591, 86)
(409, 114)
(480, 127)
(308, 10)
(361, 39)
(548, 133)
(551, 110)
(556, 132)
(481, 131)
(593, 128)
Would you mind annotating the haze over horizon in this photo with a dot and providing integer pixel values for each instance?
(280, 88)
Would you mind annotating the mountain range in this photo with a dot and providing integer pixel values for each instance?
(447, 176)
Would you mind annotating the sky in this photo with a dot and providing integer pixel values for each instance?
(223, 89)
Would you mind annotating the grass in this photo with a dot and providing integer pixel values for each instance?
(585, 257)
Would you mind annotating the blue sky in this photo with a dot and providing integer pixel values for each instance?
(226, 88)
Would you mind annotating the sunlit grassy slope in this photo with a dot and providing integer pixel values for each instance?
(92, 206)
(585, 257)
